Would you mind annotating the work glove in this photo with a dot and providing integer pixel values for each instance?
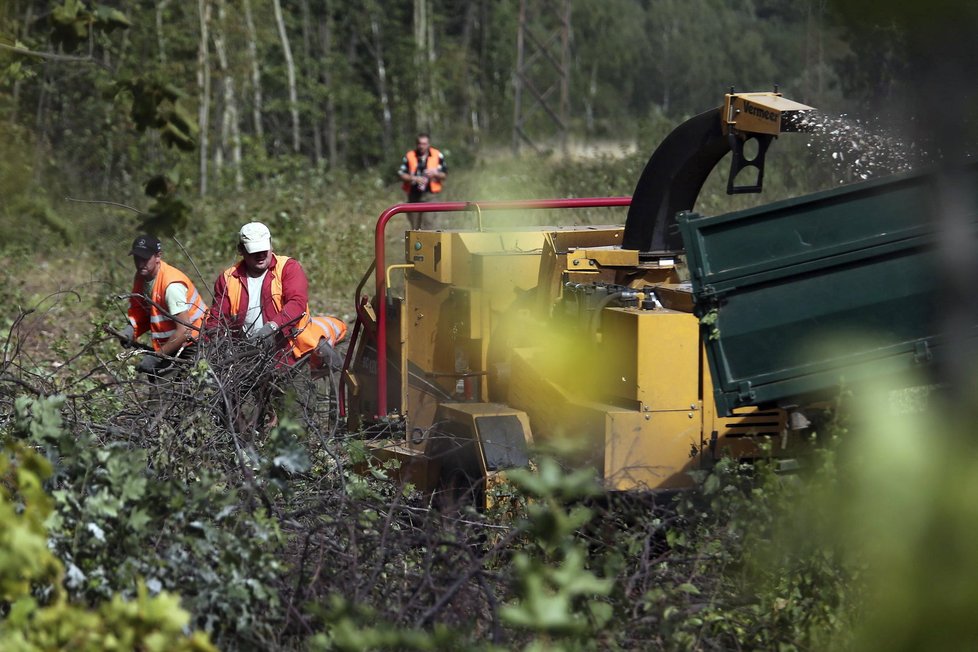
(149, 364)
(265, 337)
(328, 355)
(126, 336)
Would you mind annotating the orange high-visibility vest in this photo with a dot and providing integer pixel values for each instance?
(307, 331)
(151, 315)
(434, 157)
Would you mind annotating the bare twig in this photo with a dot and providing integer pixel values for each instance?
(51, 56)
(107, 203)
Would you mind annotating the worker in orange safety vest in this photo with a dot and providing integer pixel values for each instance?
(422, 170)
(265, 297)
(163, 302)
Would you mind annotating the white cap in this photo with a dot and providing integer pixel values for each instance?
(254, 236)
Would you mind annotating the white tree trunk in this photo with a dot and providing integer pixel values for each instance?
(385, 105)
(160, 44)
(312, 66)
(326, 37)
(435, 92)
(204, 89)
(423, 105)
(230, 132)
(290, 70)
(256, 102)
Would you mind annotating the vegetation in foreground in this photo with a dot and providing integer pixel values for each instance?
(274, 542)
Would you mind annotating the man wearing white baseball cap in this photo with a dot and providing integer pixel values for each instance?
(266, 296)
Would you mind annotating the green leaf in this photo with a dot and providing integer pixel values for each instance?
(711, 485)
(292, 460)
(138, 519)
(110, 19)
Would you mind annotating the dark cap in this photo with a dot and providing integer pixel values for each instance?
(145, 246)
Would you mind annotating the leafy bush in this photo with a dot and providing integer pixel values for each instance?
(131, 514)
(277, 539)
(36, 613)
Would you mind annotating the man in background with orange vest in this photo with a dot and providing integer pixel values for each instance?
(164, 302)
(265, 296)
(422, 171)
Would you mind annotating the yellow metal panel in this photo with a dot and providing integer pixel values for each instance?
(425, 313)
(651, 356)
(603, 256)
(468, 412)
(555, 413)
(630, 449)
(548, 278)
(758, 113)
(465, 412)
(466, 245)
(650, 450)
(578, 261)
(431, 253)
(585, 236)
(505, 277)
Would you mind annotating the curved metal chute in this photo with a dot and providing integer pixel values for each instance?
(672, 181)
(679, 167)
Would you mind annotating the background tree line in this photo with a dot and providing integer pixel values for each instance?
(266, 86)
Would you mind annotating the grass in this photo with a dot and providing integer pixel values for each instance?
(324, 219)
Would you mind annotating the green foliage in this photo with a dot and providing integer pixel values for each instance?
(23, 203)
(24, 557)
(746, 563)
(355, 628)
(118, 523)
(709, 321)
(169, 213)
(634, 67)
(557, 592)
(37, 614)
(73, 23)
(156, 104)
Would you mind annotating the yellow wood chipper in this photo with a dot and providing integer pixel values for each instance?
(604, 340)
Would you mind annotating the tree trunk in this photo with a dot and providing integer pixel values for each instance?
(290, 70)
(160, 42)
(351, 61)
(485, 111)
(256, 101)
(436, 93)
(592, 96)
(110, 140)
(385, 105)
(230, 133)
(326, 27)
(423, 103)
(311, 66)
(469, 90)
(204, 89)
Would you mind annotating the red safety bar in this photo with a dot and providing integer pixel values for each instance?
(380, 268)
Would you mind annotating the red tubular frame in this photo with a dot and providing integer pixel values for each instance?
(380, 270)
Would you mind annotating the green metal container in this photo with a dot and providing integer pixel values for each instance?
(801, 296)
